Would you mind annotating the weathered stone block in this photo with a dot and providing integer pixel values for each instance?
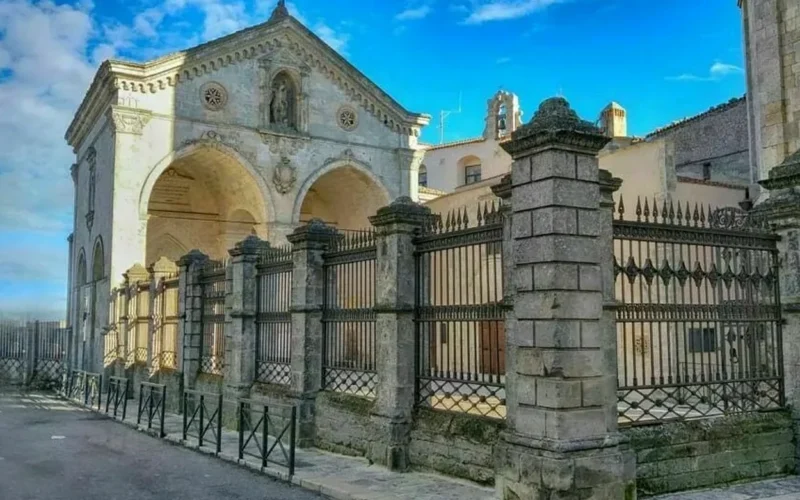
(562, 334)
(553, 163)
(584, 423)
(553, 220)
(559, 304)
(530, 361)
(558, 393)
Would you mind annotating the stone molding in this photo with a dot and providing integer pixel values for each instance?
(136, 273)
(195, 256)
(249, 43)
(128, 120)
(503, 189)
(412, 158)
(315, 233)
(403, 210)
(252, 245)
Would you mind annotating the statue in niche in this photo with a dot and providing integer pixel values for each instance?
(283, 104)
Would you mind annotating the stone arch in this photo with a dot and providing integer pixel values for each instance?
(98, 260)
(355, 171)
(188, 201)
(189, 149)
(464, 163)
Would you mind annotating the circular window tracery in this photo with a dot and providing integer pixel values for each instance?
(214, 96)
(348, 118)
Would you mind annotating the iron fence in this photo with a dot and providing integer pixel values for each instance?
(152, 405)
(34, 348)
(13, 349)
(202, 417)
(698, 317)
(165, 324)
(114, 339)
(348, 315)
(263, 429)
(137, 323)
(117, 396)
(214, 282)
(273, 316)
(85, 387)
(460, 328)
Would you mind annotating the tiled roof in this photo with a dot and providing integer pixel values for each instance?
(680, 123)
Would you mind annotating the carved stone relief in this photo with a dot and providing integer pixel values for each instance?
(284, 175)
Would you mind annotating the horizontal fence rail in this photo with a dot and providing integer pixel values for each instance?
(698, 317)
(265, 429)
(273, 316)
(460, 328)
(202, 418)
(152, 405)
(348, 315)
(213, 281)
(117, 396)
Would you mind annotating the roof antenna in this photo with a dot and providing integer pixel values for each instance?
(443, 114)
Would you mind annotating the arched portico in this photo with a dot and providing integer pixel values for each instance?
(206, 197)
(344, 194)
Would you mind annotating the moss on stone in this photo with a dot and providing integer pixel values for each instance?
(475, 429)
(271, 390)
(348, 402)
(210, 379)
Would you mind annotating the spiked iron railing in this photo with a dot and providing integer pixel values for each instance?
(214, 282)
(273, 316)
(349, 350)
(698, 316)
(460, 348)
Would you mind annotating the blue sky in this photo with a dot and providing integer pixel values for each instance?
(661, 60)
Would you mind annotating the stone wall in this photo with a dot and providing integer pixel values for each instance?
(702, 453)
(455, 444)
(343, 423)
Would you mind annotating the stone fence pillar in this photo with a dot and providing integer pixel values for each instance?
(240, 341)
(308, 244)
(782, 210)
(562, 439)
(395, 278)
(190, 314)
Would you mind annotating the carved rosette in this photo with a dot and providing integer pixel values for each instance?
(284, 175)
(128, 120)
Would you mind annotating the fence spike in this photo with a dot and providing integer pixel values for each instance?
(638, 209)
(646, 211)
(664, 211)
(702, 216)
(671, 212)
(459, 220)
(655, 210)
(621, 208)
(688, 214)
(695, 215)
(466, 217)
(679, 215)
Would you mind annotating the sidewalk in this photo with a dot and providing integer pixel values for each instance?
(337, 476)
(787, 488)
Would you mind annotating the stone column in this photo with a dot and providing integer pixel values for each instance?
(395, 278)
(410, 161)
(562, 439)
(240, 336)
(190, 312)
(782, 210)
(308, 244)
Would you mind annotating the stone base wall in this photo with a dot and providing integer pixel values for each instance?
(174, 382)
(343, 423)
(455, 444)
(703, 453)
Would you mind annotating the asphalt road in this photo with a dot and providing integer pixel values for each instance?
(52, 451)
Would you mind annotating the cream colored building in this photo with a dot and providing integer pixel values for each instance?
(255, 132)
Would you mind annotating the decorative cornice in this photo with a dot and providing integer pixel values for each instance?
(786, 175)
(252, 245)
(128, 120)
(73, 170)
(555, 124)
(193, 257)
(410, 158)
(316, 231)
(171, 70)
(504, 188)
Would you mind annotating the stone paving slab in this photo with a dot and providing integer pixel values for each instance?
(337, 476)
(787, 488)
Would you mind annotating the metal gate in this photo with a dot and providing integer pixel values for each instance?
(699, 316)
(212, 349)
(274, 317)
(460, 327)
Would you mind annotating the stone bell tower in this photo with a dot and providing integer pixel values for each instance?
(503, 116)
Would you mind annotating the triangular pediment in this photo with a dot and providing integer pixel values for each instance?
(282, 39)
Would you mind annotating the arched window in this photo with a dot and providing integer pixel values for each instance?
(283, 102)
(98, 261)
(81, 277)
(423, 176)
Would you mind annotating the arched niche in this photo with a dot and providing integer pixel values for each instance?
(98, 261)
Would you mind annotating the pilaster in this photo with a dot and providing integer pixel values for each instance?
(190, 312)
(395, 226)
(562, 439)
(240, 358)
(308, 244)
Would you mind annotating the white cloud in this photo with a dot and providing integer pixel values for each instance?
(412, 14)
(716, 72)
(336, 39)
(501, 10)
(503, 60)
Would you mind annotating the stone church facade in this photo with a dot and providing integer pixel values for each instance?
(252, 133)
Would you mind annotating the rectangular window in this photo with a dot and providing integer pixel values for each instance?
(472, 174)
(702, 340)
